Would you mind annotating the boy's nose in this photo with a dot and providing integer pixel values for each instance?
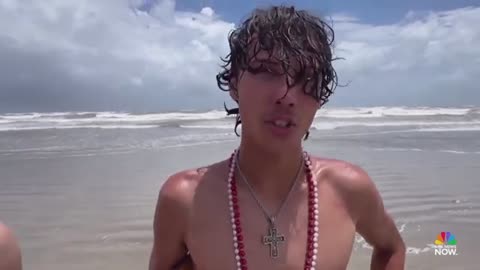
(287, 95)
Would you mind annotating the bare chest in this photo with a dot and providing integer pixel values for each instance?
(210, 237)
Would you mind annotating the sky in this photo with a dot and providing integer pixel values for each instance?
(163, 55)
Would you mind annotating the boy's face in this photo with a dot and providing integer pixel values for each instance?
(270, 114)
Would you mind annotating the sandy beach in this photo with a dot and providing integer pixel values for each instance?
(80, 193)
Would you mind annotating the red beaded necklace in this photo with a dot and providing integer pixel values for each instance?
(312, 239)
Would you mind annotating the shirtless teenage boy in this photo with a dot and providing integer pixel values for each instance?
(269, 205)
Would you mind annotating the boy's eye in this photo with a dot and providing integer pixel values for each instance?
(265, 67)
(256, 70)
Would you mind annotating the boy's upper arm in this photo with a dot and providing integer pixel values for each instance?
(371, 219)
(170, 222)
(373, 222)
(10, 254)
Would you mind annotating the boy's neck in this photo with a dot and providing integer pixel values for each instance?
(270, 173)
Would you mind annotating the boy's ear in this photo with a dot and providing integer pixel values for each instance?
(234, 94)
(233, 90)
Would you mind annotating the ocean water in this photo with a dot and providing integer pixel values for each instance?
(80, 188)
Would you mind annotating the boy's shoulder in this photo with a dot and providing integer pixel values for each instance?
(350, 180)
(181, 185)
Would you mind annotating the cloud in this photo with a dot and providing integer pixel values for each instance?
(144, 55)
(93, 55)
(425, 59)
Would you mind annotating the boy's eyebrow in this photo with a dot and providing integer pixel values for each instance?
(276, 64)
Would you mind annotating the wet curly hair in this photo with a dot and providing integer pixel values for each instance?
(298, 40)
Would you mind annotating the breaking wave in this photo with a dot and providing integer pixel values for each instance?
(423, 118)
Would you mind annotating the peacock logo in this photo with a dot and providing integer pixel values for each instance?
(446, 244)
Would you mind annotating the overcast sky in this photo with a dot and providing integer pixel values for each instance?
(155, 55)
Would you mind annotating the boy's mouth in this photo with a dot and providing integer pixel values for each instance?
(282, 123)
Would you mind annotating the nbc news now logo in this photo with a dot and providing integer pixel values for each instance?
(445, 244)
